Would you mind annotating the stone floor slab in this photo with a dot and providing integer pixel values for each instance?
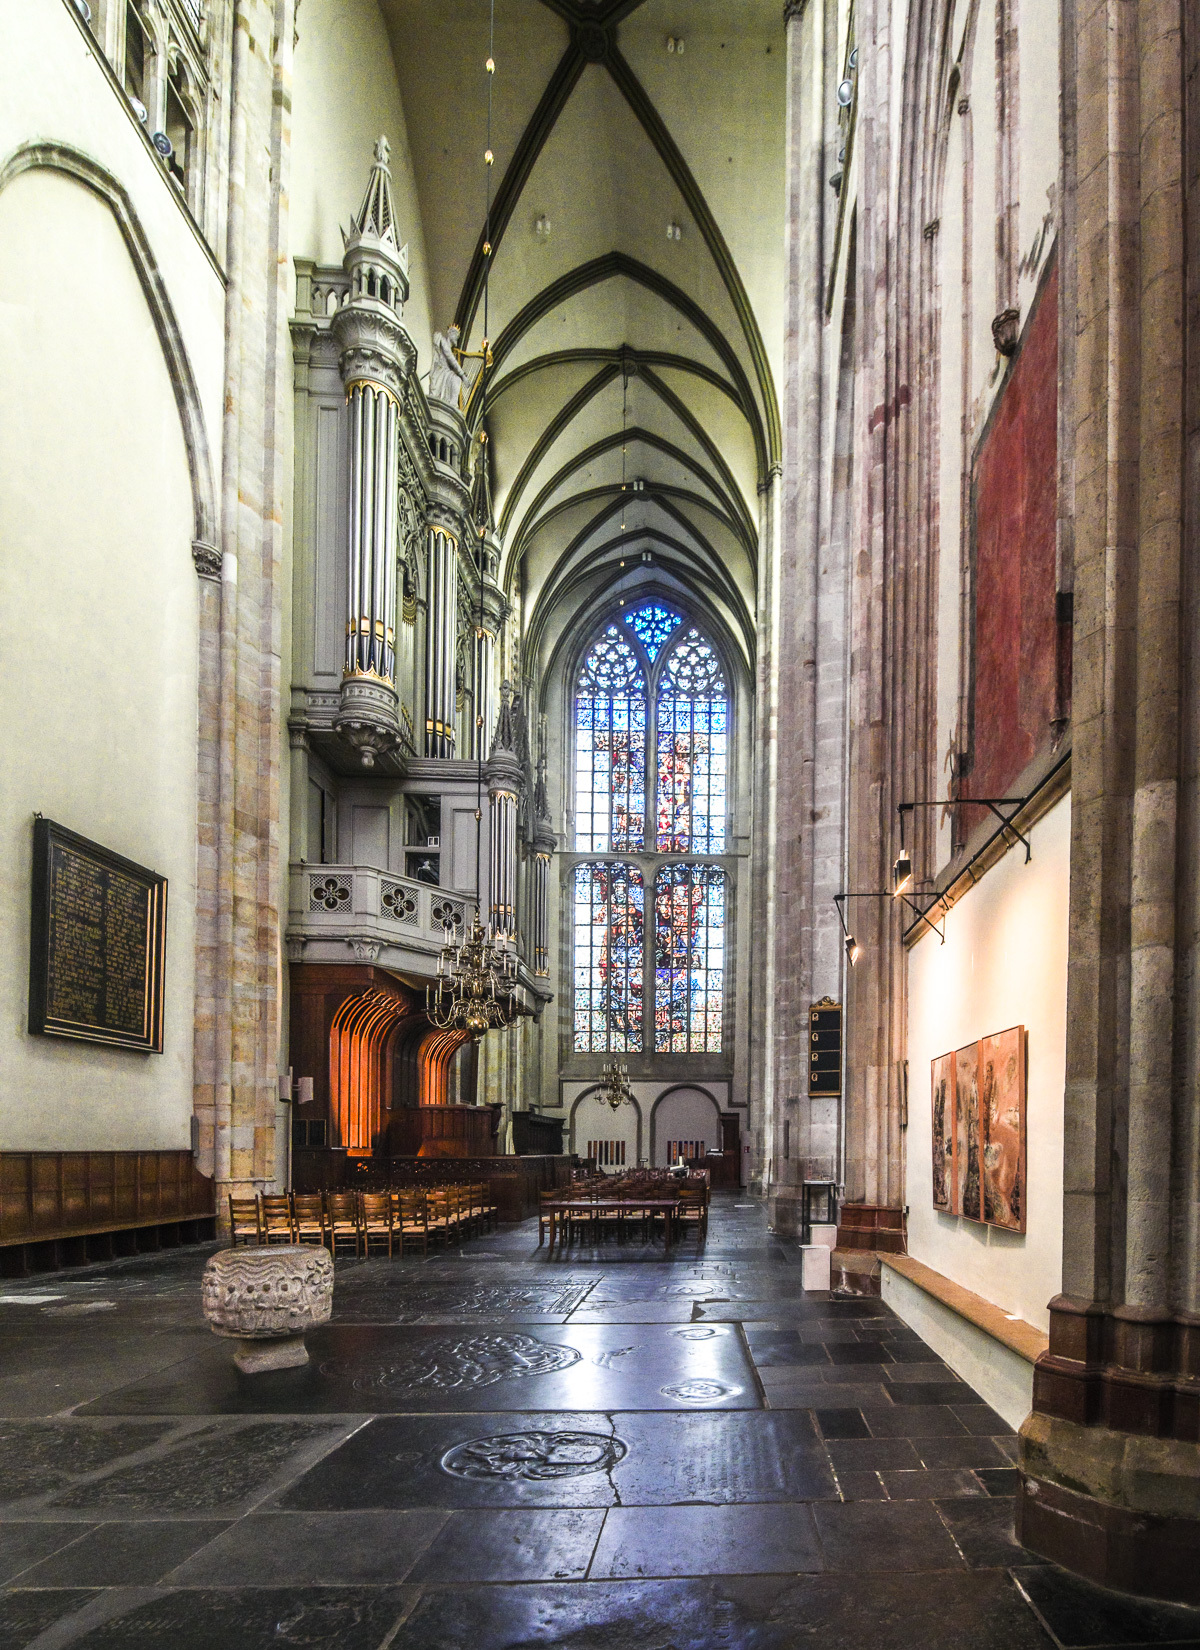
(728, 1540)
(520, 1545)
(355, 1369)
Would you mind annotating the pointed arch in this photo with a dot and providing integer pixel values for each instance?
(82, 169)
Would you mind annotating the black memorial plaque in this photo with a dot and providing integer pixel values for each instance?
(825, 1047)
(97, 942)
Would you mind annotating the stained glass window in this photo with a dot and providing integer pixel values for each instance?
(689, 959)
(692, 750)
(610, 748)
(652, 624)
(608, 958)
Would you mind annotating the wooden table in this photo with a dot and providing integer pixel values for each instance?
(666, 1206)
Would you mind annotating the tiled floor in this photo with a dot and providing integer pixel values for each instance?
(496, 1448)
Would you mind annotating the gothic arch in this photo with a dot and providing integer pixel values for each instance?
(679, 1088)
(588, 1094)
(82, 169)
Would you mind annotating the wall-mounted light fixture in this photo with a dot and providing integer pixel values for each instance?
(994, 803)
(902, 873)
(853, 949)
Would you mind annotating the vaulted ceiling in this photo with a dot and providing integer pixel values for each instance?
(635, 299)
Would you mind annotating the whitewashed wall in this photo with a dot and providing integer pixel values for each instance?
(1004, 963)
(98, 645)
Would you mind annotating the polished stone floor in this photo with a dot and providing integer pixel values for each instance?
(495, 1448)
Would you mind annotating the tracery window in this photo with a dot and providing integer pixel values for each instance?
(693, 738)
(652, 720)
(609, 958)
(689, 959)
(610, 748)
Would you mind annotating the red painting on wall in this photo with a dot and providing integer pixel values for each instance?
(979, 1130)
(966, 1130)
(1002, 1128)
(1018, 658)
(945, 1179)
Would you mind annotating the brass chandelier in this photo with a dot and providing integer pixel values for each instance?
(477, 980)
(614, 1085)
(477, 976)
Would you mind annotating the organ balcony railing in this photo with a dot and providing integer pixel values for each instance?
(357, 913)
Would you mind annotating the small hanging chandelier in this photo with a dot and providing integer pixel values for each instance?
(476, 984)
(614, 1085)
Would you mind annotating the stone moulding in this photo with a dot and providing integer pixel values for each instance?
(266, 1298)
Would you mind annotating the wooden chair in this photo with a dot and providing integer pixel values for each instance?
(244, 1222)
(410, 1220)
(377, 1221)
(692, 1209)
(345, 1222)
(438, 1213)
(545, 1199)
(276, 1214)
(308, 1217)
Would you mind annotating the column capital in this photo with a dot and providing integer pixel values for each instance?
(793, 10)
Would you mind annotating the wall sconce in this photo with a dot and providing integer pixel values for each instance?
(674, 45)
(674, 232)
(853, 949)
(902, 873)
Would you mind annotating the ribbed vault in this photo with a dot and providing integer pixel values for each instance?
(634, 304)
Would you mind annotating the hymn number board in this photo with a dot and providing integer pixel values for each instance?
(97, 942)
(825, 1047)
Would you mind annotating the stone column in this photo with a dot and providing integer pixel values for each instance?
(1110, 1457)
(791, 796)
(544, 844)
(441, 638)
(238, 869)
(505, 782)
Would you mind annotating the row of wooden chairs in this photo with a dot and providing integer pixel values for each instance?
(411, 1218)
(593, 1202)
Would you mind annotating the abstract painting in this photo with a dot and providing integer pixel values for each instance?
(1001, 1068)
(945, 1186)
(978, 1144)
(966, 1131)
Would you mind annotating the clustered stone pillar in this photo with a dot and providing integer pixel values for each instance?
(544, 844)
(375, 357)
(1110, 1456)
(505, 780)
(237, 873)
(441, 643)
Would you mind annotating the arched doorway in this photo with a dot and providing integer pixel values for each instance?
(685, 1123)
(613, 1138)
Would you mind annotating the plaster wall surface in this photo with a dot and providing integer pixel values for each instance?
(1004, 963)
(76, 105)
(1000, 1376)
(98, 645)
(345, 95)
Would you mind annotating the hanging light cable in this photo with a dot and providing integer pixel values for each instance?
(477, 978)
(624, 429)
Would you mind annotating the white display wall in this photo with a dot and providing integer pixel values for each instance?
(1004, 963)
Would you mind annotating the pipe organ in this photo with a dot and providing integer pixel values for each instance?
(396, 608)
(441, 643)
